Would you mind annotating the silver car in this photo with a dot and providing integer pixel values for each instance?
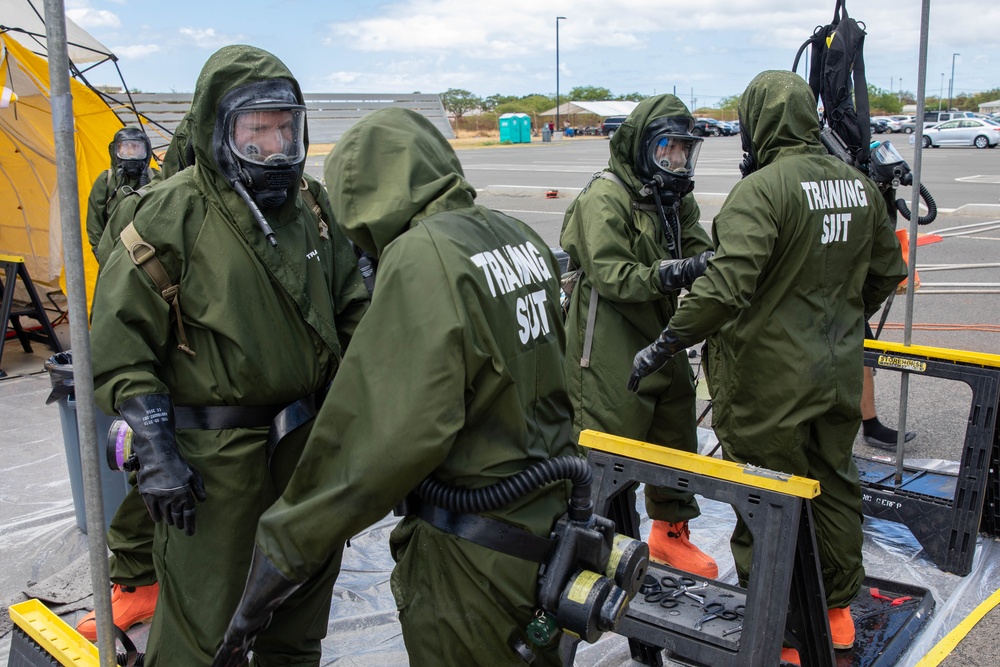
(976, 132)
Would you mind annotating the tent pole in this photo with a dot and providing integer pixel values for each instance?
(911, 260)
(83, 378)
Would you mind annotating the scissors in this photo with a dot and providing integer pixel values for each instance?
(683, 586)
(718, 610)
(663, 598)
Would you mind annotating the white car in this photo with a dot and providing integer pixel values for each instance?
(892, 125)
(963, 132)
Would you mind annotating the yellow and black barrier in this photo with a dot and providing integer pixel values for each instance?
(943, 511)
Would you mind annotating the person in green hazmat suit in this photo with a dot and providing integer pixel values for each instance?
(220, 386)
(180, 151)
(131, 531)
(130, 155)
(634, 233)
(456, 372)
(804, 251)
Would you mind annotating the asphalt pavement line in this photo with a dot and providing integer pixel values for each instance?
(951, 640)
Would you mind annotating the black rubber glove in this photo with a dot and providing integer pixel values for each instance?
(678, 274)
(652, 357)
(266, 589)
(167, 483)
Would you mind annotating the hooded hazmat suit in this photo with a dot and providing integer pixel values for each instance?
(269, 326)
(110, 189)
(456, 372)
(619, 247)
(804, 250)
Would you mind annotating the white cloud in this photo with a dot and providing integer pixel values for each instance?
(88, 17)
(208, 38)
(136, 51)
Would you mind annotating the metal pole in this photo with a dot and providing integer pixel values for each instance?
(83, 378)
(941, 94)
(904, 387)
(558, 126)
(951, 83)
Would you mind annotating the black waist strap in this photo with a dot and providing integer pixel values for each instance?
(281, 419)
(489, 533)
(217, 417)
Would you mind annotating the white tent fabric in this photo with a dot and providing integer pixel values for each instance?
(603, 109)
(27, 15)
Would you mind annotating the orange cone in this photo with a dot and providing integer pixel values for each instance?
(904, 247)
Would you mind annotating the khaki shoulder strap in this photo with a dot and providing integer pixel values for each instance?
(611, 176)
(588, 335)
(307, 195)
(144, 255)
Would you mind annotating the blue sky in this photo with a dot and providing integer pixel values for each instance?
(707, 49)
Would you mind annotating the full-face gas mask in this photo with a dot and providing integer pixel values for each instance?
(259, 140)
(888, 166)
(131, 151)
(667, 155)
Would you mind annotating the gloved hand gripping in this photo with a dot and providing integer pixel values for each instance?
(678, 274)
(652, 357)
(267, 587)
(168, 484)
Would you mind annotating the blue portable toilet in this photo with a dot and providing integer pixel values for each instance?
(509, 130)
(524, 126)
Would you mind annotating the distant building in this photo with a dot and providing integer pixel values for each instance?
(990, 107)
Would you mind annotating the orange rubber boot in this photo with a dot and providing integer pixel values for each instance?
(841, 627)
(669, 545)
(128, 606)
(790, 656)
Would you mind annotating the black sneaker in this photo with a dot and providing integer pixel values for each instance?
(889, 446)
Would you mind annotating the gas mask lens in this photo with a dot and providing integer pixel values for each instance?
(271, 136)
(131, 149)
(886, 154)
(675, 154)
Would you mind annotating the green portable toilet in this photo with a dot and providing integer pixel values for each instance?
(524, 125)
(509, 131)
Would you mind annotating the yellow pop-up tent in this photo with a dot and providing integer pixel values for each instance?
(29, 204)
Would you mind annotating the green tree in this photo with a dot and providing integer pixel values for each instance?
(590, 94)
(731, 103)
(880, 99)
(631, 97)
(530, 104)
(458, 102)
(491, 102)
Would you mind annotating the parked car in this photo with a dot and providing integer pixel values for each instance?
(935, 117)
(728, 128)
(908, 126)
(891, 124)
(707, 127)
(963, 132)
(610, 124)
(877, 126)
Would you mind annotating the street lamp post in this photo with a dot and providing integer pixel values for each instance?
(951, 83)
(558, 126)
(941, 94)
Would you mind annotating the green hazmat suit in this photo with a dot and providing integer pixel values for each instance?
(269, 325)
(130, 534)
(456, 371)
(804, 250)
(619, 247)
(110, 189)
(180, 152)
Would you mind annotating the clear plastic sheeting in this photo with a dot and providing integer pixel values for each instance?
(44, 553)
